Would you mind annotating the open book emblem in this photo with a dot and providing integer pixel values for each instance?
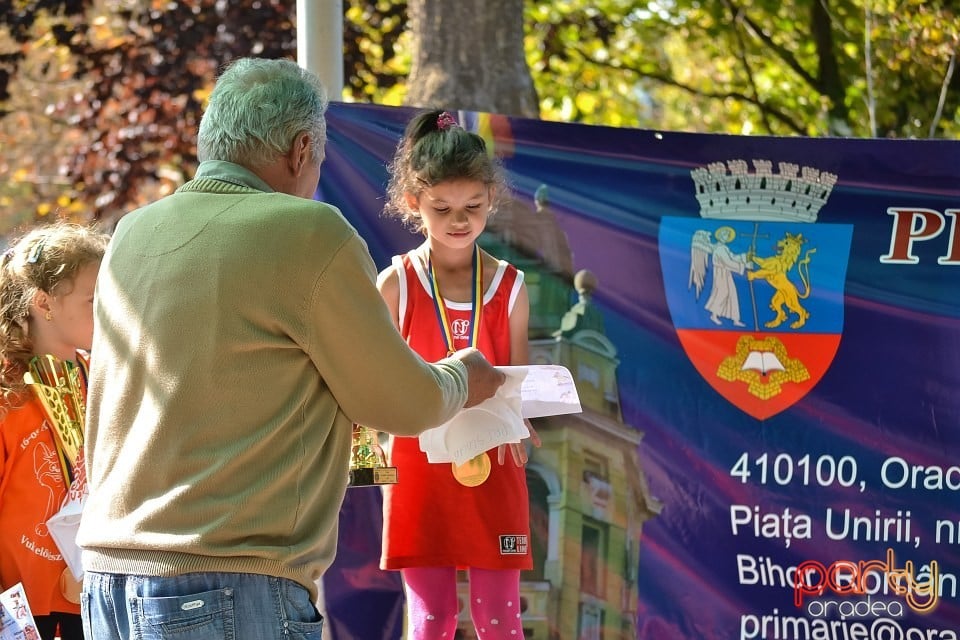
(754, 287)
(762, 361)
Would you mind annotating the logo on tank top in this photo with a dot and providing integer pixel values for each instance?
(461, 329)
(513, 545)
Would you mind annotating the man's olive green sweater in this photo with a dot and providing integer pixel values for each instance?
(238, 334)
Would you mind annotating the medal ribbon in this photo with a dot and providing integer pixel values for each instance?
(476, 303)
(474, 472)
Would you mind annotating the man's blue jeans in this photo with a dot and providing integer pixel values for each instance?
(197, 606)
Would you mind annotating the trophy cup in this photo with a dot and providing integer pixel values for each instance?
(368, 463)
(61, 388)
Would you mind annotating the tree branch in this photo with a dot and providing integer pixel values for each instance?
(782, 52)
(742, 54)
(765, 108)
(868, 66)
(943, 94)
(828, 69)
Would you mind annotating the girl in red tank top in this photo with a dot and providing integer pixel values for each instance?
(447, 295)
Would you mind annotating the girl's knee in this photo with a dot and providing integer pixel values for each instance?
(496, 617)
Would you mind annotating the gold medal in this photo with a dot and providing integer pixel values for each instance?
(473, 472)
(70, 586)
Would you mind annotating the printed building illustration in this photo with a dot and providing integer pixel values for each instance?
(588, 493)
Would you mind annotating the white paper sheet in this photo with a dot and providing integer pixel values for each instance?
(547, 390)
(529, 392)
(63, 527)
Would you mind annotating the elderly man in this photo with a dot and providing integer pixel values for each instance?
(238, 335)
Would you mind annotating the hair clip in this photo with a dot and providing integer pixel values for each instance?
(34, 256)
(446, 121)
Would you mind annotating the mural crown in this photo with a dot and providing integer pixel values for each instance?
(730, 191)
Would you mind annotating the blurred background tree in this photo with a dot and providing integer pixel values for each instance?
(461, 72)
(100, 99)
(862, 68)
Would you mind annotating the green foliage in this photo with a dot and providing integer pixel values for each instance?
(800, 67)
(597, 46)
(375, 51)
(100, 99)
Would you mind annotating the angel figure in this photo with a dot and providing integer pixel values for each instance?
(723, 301)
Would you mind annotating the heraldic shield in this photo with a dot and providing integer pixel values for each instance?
(755, 286)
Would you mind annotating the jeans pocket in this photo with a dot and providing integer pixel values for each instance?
(303, 630)
(200, 616)
(85, 614)
(301, 620)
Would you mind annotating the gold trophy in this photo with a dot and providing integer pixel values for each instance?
(61, 387)
(368, 462)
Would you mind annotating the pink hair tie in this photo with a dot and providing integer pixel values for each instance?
(445, 121)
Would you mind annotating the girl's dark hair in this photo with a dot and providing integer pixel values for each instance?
(435, 149)
(48, 259)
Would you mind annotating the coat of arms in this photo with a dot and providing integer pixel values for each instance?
(755, 288)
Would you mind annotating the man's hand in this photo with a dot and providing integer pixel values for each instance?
(482, 379)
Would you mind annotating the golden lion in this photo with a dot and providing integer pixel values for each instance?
(775, 270)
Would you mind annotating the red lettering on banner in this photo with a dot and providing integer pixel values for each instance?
(844, 577)
(953, 247)
(909, 226)
(920, 225)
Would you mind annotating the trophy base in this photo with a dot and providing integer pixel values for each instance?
(373, 477)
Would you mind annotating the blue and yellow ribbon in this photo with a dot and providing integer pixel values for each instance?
(476, 303)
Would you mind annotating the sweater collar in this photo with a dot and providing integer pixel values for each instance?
(230, 173)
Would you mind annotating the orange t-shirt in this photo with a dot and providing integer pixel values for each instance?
(32, 489)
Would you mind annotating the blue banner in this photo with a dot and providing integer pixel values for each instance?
(766, 336)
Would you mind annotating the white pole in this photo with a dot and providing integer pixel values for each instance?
(320, 42)
(320, 50)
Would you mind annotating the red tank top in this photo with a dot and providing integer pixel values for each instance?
(430, 519)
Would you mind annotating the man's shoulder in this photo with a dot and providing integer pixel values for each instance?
(271, 208)
(320, 210)
(307, 217)
(298, 230)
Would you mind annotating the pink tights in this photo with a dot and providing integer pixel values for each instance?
(432, 605)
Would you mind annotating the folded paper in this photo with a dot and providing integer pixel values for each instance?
(63, 527)
(529, 392)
